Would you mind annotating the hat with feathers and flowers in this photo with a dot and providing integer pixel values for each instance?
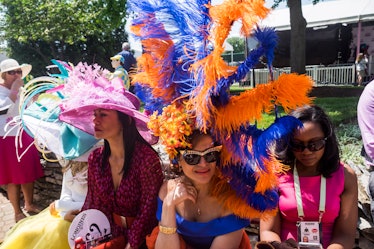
(185, 84)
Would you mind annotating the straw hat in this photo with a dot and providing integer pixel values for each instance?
(11, 64)
(118, 57)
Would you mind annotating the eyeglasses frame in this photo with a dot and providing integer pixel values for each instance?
(308, 145)
(201, 153)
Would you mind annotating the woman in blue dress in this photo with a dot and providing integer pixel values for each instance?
(189, 215)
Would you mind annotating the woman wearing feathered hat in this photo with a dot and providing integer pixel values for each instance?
(228, 170)
(16, 173)
(125, 174)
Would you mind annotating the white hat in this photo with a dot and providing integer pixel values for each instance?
(11, 64)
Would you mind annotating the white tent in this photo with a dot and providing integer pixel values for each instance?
(325, 13)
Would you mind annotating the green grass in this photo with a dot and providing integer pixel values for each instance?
(340, 110)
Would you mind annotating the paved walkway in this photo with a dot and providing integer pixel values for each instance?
(6, 215)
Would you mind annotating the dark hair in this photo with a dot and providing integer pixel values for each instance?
(330, 160)
(194, 138)
(131, 135)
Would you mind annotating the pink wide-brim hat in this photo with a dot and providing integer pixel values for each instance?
(90, 91)
(10, 65)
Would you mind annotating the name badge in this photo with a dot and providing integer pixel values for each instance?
(309, 234)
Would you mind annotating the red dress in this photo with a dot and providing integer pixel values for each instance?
(136, 195)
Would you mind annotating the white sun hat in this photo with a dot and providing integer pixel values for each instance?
(11, 64)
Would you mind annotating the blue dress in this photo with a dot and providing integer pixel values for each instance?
(201, 234)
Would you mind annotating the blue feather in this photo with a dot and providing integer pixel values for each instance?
(267, 42)
(184, 22)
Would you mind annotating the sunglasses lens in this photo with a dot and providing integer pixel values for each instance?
(297, 147)
(312, 146)
(192, 159)
(15, 72)
(317, 145)
(211, 157)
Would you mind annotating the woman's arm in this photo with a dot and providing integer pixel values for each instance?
(172, 193)
(168, 217)
(270, 228)
(345, 225)
(151, 178)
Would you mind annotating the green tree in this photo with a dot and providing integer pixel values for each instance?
(237, 43)
(37, 31)
(298, 29)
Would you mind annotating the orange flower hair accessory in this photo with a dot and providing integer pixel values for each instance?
(172, 127)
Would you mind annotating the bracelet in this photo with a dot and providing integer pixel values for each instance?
(14, 92)
(167, 230)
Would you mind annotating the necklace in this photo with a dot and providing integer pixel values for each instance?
(198, 211)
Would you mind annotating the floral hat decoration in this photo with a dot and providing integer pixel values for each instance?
(39, 117)
(185, 83)
(58, 111)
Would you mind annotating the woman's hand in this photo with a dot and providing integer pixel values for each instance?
(179, 191)
(14, 89)
(16, 85)
(70, 215)
(52, 209)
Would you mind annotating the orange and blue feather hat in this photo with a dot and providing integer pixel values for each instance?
(184, 81)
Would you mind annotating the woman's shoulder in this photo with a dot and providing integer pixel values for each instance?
(95, 156)
(163, 190)
(146, 154)
(350, 176)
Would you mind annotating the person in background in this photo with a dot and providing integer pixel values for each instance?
(361, 67)
(365, 117)
(125, 174)
(119, 71)
(318, 189)
(129, 61)
(50, 227)
(189, 215)
(16, 174)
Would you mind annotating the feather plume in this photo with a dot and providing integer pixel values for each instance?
(182, 44)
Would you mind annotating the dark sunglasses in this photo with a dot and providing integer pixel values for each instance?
(312, 146)
(13, 72)
(193, 157)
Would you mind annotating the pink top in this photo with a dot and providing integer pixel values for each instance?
(310, 192)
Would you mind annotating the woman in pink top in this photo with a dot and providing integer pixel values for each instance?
(318, 195)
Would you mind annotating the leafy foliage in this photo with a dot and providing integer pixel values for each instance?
(37, 31)
(237, 43)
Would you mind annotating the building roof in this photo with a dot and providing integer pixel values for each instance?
(324, 13)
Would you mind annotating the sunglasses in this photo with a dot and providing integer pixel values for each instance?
(13, 72)
(193, 157)
(312, 146)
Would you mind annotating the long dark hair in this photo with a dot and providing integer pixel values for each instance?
(330, 160)
(131, 135)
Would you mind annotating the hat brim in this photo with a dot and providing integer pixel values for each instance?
(82, 118)
(26, 69)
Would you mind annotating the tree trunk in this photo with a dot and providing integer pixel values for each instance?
(297, 43)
